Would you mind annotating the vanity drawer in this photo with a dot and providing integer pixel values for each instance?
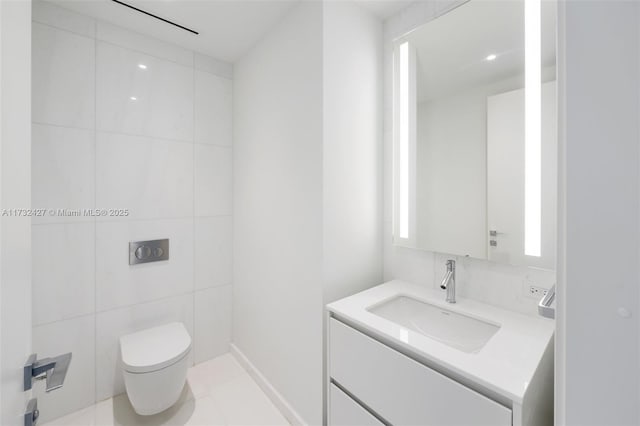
(346, 412)
(401, 390)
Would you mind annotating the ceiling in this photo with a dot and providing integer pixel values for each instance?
(383, 9)
(228, 28)
(452, 49)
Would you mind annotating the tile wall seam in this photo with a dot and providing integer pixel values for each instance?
(95, 223)
(233, 209)
(232, 215)
(63, 126)
(126, 220)
(209, 72)
(146, 302)
(214, 145)
(193, 210)
(120, 133)
(55, 27)
(123, 219)
(139, 135)
(70, 318)
(209, 287)
(193, 52)
(142, 52)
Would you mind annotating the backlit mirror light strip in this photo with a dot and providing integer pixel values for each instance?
(533, 129)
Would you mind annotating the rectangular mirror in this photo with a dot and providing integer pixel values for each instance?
(475, 133)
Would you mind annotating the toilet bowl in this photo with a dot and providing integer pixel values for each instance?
(154, 363)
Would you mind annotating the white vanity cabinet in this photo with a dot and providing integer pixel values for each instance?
(346, 411)
(406, 366)
(396, 389)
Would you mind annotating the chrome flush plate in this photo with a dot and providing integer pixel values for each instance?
(148, 251)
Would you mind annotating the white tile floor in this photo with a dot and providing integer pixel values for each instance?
(218, 392)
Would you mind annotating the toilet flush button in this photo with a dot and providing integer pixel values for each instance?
(143, 252)
(624, 312)
(148, 251)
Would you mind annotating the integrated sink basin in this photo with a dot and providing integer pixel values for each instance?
(456, 330)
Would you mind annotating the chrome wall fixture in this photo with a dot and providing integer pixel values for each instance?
(54, 370)
(32, 413)
(148, 251)
(547, 305)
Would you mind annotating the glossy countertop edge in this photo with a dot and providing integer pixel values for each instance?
(505, 365)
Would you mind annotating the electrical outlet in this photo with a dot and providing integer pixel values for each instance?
(536, 292)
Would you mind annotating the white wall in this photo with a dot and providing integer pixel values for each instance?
(500, 285)
(277, 189)
(15, 190)
(306, 187)
(352, 160)
(166, 157)
(598, 355)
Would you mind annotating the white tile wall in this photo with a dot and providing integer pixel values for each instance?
(63, 161)
(120, 284)
(212, 180)
(212, 322)
(213, 260)
(64, 271)
(153, 177)
(156, 101)
(143, 43)
(93, 146)
(47, 13)
(213, 109)
(63, 78)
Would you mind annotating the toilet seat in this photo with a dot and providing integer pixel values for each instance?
(155, 348)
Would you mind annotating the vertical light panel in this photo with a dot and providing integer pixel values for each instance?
(403, 135)
(533, 130)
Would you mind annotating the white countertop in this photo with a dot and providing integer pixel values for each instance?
(504, 365)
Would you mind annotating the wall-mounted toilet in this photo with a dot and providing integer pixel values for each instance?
(155, 363)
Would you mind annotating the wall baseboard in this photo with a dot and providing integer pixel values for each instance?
(278, 400)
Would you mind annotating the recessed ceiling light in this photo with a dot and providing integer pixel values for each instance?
(491, 57)
(133, 98)
(142, 66)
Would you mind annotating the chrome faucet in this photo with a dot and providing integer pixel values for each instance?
(449, 281)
